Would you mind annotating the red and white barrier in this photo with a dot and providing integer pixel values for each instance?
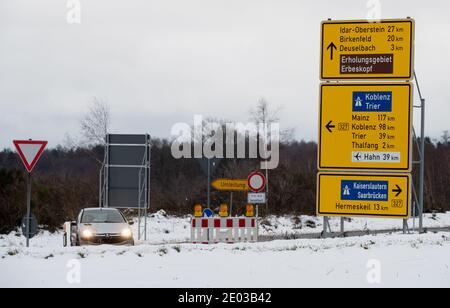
(224, 230)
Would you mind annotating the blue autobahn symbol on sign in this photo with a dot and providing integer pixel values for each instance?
(372, 101)
(364, 190)
(207, 213)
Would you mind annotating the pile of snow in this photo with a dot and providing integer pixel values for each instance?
(296, 225)
(166, 229)
(166, 259)
(162, 228)
(400, 261)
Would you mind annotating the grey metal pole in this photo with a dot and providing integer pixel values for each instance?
(231, 204)
(28, 208)
(422, 166)
(267, 189)
(209, 183)
(342, 226)
(139, 205)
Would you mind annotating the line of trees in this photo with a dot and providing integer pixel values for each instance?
(66, 180)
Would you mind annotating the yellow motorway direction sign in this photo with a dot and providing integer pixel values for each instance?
(365, 126)
(367, 50)
(369, 195)
(230, 185)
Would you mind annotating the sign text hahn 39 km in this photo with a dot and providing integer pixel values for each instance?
(367, 50)
(365, 126)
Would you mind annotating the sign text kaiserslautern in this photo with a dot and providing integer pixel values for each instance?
(370, 195)
(356, 50)
(365, 126)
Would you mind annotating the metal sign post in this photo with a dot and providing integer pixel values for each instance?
(209, 184)
(29, 151)
(28, 208)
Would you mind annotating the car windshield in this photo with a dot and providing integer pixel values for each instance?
(102, 216)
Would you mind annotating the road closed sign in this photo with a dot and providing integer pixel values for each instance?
(365, 126)
(367, 50)
(369, 195)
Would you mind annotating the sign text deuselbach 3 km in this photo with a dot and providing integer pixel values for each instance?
(365, 126)
(356, 50)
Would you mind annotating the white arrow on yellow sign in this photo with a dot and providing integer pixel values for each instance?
(230, 185)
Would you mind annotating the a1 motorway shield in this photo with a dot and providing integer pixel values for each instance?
(369, 195)
(367, 50)
(365, 126)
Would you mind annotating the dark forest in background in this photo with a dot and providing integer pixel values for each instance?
(67, 180)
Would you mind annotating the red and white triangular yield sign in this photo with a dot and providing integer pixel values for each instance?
(30, 151)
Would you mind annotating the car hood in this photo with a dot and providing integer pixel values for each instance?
(105, 227)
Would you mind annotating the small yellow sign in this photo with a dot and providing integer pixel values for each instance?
(355, 50)
(230, 185)
(365, 126)
(369, 195)
(198, 211)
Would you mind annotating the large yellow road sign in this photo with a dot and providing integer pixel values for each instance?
(369, 195)
(365, 126)
(367, 50)
(230, 185)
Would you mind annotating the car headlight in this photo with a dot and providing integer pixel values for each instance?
(86, 234)
(126, 233)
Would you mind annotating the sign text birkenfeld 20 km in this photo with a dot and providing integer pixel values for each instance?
(365, 126)
(358, 50)
(370, 195)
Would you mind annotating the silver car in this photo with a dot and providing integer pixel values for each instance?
(98, 226)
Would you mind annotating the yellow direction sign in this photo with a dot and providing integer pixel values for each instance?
(230, 185)
(367, 50)
(365, 126)
(370, 195)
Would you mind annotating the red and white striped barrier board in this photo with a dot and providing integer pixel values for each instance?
(224, 230)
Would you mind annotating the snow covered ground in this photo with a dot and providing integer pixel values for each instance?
(166, 260)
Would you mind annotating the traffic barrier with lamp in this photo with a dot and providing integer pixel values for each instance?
(213, 230)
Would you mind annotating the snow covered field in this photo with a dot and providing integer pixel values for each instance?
(166, 260)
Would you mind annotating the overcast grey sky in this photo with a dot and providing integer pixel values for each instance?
(161, 62)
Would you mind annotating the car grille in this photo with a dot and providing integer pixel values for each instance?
(108, 239)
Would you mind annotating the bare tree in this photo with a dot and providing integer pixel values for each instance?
(96, 123)
(263, 114)
(446, 137)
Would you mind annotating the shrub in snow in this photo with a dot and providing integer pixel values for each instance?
(162, 251)
(177, 248)
(297, 221)
(266, 222)
(310, 224)
(13, 252)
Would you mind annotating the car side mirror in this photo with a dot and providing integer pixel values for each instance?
(131, 222)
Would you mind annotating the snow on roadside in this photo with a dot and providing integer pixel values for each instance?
(405, 260)
(291, 225)
(165, 229)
